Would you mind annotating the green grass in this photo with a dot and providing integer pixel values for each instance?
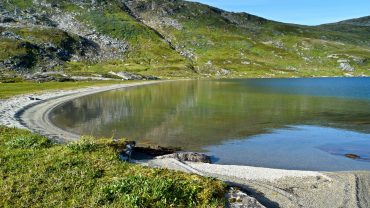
(227, 46)
(11, 89)
(147, 50)
(22, 4)
(36, 173)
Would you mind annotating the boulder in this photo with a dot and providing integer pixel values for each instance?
(156, 151)
(239, 199)
(346, 67)
(188, 157)
(223, 72)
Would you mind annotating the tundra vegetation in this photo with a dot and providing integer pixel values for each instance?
(170, 39)
(35, 172)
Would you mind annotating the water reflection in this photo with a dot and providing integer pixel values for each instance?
(195, 114)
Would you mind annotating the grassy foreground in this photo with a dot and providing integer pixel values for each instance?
(34, 172)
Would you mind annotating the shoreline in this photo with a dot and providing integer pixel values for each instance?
(30, 111)
(272, 187)
(283, 188)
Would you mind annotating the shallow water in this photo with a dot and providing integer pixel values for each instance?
(280, 123)
(298, 147)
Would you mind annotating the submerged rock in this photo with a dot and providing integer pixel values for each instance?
(188, 157)
(352, 156)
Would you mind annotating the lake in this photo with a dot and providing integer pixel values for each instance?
(305, 124)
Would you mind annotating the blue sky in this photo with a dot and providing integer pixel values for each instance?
(308, 12)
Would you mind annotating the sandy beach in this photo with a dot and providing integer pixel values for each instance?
(271, 187)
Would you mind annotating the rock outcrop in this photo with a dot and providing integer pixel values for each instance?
(238, 199)
(188, 157)
(132, 76)
(345, 66)
(63, 37)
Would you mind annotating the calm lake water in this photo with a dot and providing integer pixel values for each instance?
(307, 124)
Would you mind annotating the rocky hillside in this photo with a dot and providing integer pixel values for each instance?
(171, 38)
(363, 21)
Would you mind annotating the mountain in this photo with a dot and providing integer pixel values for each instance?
(172, 38)
(357, 30)
(363, 21)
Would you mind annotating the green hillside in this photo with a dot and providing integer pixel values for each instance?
(173, 39)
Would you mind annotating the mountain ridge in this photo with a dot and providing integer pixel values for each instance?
(172, 39)
(360, 21)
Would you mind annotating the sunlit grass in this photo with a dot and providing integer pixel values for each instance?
(37, 173)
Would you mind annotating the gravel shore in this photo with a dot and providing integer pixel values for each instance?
(285, 188)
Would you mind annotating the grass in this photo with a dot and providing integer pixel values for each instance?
(227, 46)
(147, 50)
(12, 89)
(12, 4)
(37, 173)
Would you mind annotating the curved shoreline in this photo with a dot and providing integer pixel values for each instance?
(33, 114)
(287, 188)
